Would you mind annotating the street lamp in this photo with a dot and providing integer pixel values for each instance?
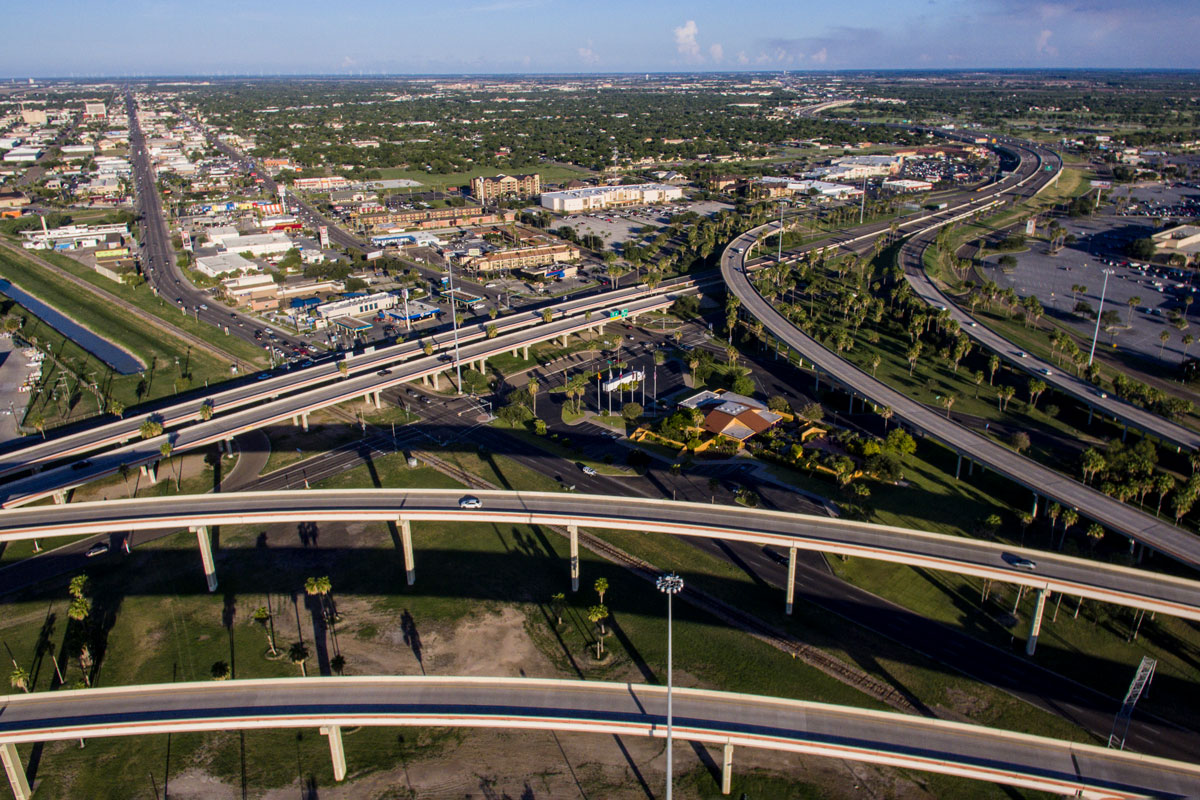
(454, 321)
(669, 585)
(1099, 313)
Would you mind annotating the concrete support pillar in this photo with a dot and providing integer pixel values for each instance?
(1035, 625)
(851, 410)
(1090, 412)
(206, 556)
(15, 772)
(296, 420)
(482, 364)
(60, 497)
(562, 340)
(437, 381)
(791, 580)
(516, 352)
(525, 352)
(958, 467)
(304, 421)
(425, 378)
(970, 467)
(727, 769)
(817, 378)
(573, 530)
(1033, 513)
(410, 567)
(378, 397)
(336, 751)
(221, 447)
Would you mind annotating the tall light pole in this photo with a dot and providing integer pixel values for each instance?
(454, 320)
(669, 585)
(1099, 313)
(779, 253)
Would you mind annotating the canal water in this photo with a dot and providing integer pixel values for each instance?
(117, 358)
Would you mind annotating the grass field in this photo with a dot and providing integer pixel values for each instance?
(550, 174)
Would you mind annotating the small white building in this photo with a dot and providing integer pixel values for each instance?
(223, 264)
(23, 155)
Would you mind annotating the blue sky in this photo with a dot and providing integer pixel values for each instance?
(102, 37)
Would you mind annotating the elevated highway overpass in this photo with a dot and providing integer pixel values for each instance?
(715, 718)
(1052, 572)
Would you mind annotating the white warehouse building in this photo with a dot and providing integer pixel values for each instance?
(597, 197)
(260, 244)
(224, 263)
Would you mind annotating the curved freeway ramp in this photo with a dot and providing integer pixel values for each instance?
(1040, 480)
(732, 720)
(912, 260)
(1054, 572)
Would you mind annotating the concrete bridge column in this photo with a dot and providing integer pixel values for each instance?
(206, 556)
(410, 567)
(970, 467)
(817, 377)
(336, 750)
(791, 580)
(727, 769)
(1035, 625)
(425, 378)
(483, 364)
(1124, 432)
(1033, 513)
(573, 530)
(16, 773)
(378, 397)
(562, 340)
(525, 352)
(437, 381)
(958, 467)
(304, 421)
(150, 472)
(1090, 412)
(60, 497)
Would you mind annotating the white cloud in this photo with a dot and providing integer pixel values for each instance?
(716, 52)
(685, 39)
(587, 55)
(1042, 44)
(820, 56)
(742, 58)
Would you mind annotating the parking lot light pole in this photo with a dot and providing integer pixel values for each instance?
(669, 585)
(1099, 313)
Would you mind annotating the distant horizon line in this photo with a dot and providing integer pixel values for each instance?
(567, 74)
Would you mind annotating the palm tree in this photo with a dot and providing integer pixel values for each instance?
(150, 428)
(165, 449)
(557, 603)
(78, 586)
(875, 359)
(913, 353)
(262, 615)
(428, 348)
(948, 402)
(343, 368)
(1133, 303)
(206, 410)
(532, 387)
(1163, 337)
(116, 408)
(731, 353)
(1006, 394)
(1163, 483)
(1187, 340)
(19, 678)
(993, 365)
(79, 609)
(1069, 517)
(1095, 533)
(38, 421)
(298, 655)
(601, 586)
(887, 413)
(596, 615)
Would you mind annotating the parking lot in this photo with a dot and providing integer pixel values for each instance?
(1101, 239)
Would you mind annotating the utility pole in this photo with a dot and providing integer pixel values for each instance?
(454, 319)
(670, 585)
(779, 253)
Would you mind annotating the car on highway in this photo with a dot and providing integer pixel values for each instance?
(470, 501)
(444, 357)
(1045, 372)
(98, 549)
(262, 376)
(1021, 354)
(1019, 562)
(774, 555)
(588, 470)
(384, 372)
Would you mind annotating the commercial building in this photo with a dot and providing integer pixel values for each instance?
(523, 257)
(70, 237)
(320, 184)
(401, 239)
(256, 292)
(34, 116)
(732, 415)
(260, 244)
(9, 142)
(94, 111)
(906, 185)
(1180, 239)
(223, 264)
(13, 200)
(501, 186)
(355, 306)
(76, 152)
(548, 272)
(427, 218)
(24, 155)
(599, 197)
